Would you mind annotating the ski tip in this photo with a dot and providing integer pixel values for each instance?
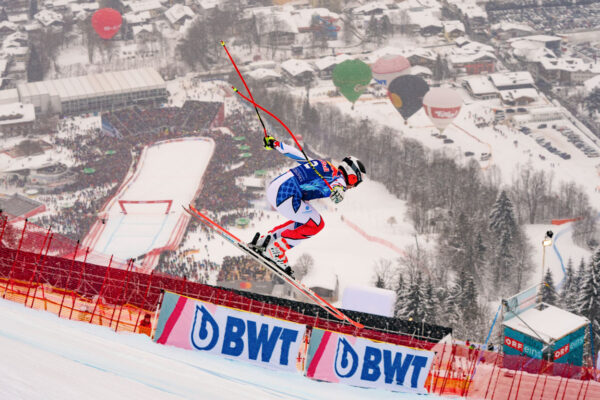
(222, 43)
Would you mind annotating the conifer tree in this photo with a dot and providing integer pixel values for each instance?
(548, 291)
(415, 297)
(399, 307)
(568, 294)
(430, 306)
(588, 301)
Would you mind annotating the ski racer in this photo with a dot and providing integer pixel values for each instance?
(290, 193)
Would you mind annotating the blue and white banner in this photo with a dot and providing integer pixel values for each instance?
(198, 325)
(335, 357)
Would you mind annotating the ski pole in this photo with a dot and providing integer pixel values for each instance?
(287, 129)
(246, 86)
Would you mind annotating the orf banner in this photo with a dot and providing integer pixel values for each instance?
(197, 325)
(335, 357)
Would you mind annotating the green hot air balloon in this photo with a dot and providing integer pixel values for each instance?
(406, 93)
(351, 77)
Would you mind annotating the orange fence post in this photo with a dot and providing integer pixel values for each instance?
(87, 251)
(449, 369)
(491, 376)
(12, 267)
(497, 379)
(144, 303)
(37, 262)
(101, 289)
(68, 277)
(130, 265)
(435, 376)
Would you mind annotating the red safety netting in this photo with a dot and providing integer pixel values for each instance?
(46, 271)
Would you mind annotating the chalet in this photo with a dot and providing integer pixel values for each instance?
(48, 18)
(297, 72)
(480, 62)
(265, 76)
(453, 29)
(420, 56)
(276, 28)
(154, 7)
(480, 87)
(566, 71)
(325, 66)
(512, 80)
(7, 28)
(178, 15)
(519, 97)
(508, 30)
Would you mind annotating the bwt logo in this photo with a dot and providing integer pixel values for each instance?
(394, 365)
(260, 339)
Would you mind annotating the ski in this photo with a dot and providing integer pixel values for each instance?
(271, 265)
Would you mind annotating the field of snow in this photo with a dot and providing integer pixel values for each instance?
(47, 358)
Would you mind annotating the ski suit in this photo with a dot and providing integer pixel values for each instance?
(290, 192)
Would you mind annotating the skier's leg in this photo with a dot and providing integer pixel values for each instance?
(304, 221)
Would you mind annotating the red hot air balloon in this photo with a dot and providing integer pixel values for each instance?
(106, 22)
(442, 105)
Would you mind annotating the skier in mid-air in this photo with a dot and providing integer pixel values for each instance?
(290, 192)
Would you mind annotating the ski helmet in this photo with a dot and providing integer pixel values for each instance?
(352, 169)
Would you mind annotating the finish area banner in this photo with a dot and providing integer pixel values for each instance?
(335, 357)
(198, 325)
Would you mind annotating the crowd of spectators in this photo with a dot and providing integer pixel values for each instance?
(181, 263)
(193, 116)
(549, 17)
(101, 161)
(241, 268)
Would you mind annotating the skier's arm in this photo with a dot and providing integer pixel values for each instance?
(286, 150)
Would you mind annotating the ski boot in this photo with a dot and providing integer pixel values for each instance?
(276, 251)
(273, 249)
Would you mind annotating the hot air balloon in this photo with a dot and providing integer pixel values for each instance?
(442, 105)
(351, 77)
(106, 22)
(388, 68)
(406, 93)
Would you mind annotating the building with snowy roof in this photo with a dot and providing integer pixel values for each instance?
(473, 63)
(512, 80)
(49, 18)
(453, 29)
(325, 65)
(480, 87)
(178, 14)
(297, 72)
(544, 332)
(566, 70)
(519, 97)
(95, 92)
(154, 7)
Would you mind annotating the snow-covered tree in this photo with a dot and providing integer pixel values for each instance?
(588, 301)
(502, 217)
(415, 298)
(568, 294)
(548, 292)
(400, 307)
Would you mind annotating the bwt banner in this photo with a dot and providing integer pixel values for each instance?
(197, 325)
(335, 357)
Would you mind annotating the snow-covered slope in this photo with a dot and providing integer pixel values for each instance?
(47, 358)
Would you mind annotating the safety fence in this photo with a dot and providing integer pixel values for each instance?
(51, 273)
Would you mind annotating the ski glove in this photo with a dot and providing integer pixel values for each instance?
(337, 194)
(269, 142)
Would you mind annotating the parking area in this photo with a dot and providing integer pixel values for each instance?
(560, 138)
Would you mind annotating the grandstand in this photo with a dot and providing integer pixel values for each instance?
(95, 92)
(194, 116)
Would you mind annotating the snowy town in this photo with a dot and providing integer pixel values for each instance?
(134, 140)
